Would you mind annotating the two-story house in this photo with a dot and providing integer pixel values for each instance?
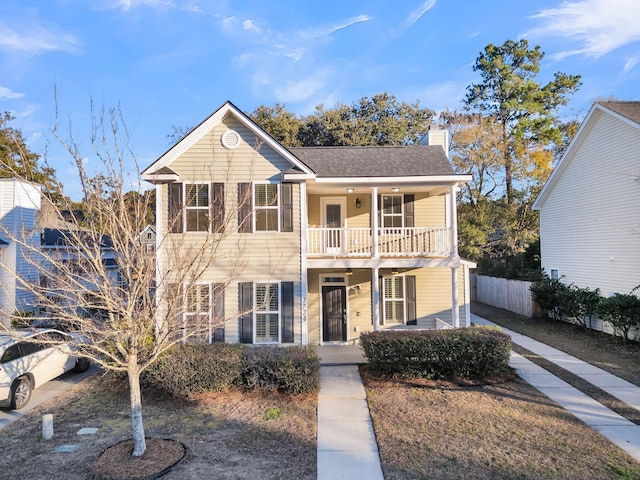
(19, 206)
(316, 244)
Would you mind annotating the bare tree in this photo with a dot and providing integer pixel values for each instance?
(99, 280)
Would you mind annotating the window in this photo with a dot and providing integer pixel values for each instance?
(394, 299)
(554, 274)
(392, 211)
(197, 312)
(267, 313)
(197, 207)
(266, 207)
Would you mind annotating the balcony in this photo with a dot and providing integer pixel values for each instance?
(391, 242)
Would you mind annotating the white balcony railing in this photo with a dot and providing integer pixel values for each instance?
(392, 242)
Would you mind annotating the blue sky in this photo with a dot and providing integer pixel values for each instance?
(173, 62)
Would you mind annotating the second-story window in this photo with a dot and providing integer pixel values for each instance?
(392, 211)
(197, 207)
(266, 207)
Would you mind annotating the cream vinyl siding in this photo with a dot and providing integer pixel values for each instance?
(433, 299)
(590, 221)
(428, 211)
(238, 257)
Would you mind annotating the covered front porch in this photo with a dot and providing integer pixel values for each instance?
(345, 301)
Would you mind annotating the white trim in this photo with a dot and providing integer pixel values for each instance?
(455, 302)
(323, 283)
(381, 209)
(383, 298)
(186, 313)
(375, 299)
(394, 181)
(256, 312)
(209, 124)
(304, 222)
(337, 200)
(254, 208)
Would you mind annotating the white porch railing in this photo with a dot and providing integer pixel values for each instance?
(392, 242)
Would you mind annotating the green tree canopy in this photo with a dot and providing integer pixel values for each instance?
(16, 160)
(525, 110)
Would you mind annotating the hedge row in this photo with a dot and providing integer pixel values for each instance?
(476, 352)
(197, 368)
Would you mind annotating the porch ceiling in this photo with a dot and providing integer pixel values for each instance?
(383, 188)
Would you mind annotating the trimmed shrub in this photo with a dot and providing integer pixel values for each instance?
(622, 311)
(547, 293)
(196, 368)
(292, 369)
(475, 352)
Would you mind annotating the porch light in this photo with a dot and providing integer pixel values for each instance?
(348, 272)
(395, 189)
(358, 202)
(395, 271)
(349, 190)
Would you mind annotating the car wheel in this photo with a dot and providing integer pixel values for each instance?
(82, 365)
(20, 393)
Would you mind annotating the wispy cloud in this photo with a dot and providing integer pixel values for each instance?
(328, 30)
(418, 12)
(126, 5)
(8, 94)
(597, 26)
(250, 26)
(34, 39)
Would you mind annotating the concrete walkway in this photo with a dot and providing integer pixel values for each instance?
(347, 447)
(620, 431)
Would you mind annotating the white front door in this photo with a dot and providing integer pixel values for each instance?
(333, 224)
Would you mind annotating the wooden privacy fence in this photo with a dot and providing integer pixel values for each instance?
(512, 295)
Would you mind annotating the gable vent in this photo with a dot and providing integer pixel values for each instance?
(230, 139)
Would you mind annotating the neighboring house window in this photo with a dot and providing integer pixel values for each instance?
(266, 211)
(554, 274)
(398, 299)
(197, 207)
(267, 314)
(265, 207)
(394, 301)
(392, 211)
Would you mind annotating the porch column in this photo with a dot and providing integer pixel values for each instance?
(375, 299)
(304, 224)
(454, 220)
(374, 223)
(467, 296)
(455, 303)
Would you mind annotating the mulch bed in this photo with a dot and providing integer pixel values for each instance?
(117, 462)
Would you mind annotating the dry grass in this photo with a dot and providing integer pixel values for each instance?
(503, 430)
(228, 436)
(425, 430)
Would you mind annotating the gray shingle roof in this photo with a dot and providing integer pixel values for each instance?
(630, 110)
(388, 161)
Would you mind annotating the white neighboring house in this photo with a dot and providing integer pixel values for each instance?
(590, 206)
(19, 205)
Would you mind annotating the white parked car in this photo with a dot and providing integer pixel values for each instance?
(29, 359)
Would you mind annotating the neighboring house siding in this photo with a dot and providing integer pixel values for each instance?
(590, 221)
(19, 205)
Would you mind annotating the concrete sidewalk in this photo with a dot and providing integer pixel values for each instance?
(347, 447)
(620, 431)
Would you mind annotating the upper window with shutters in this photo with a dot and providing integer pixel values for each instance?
(196, 207)
(265, 207)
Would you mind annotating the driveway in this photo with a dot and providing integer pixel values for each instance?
(46, 392)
